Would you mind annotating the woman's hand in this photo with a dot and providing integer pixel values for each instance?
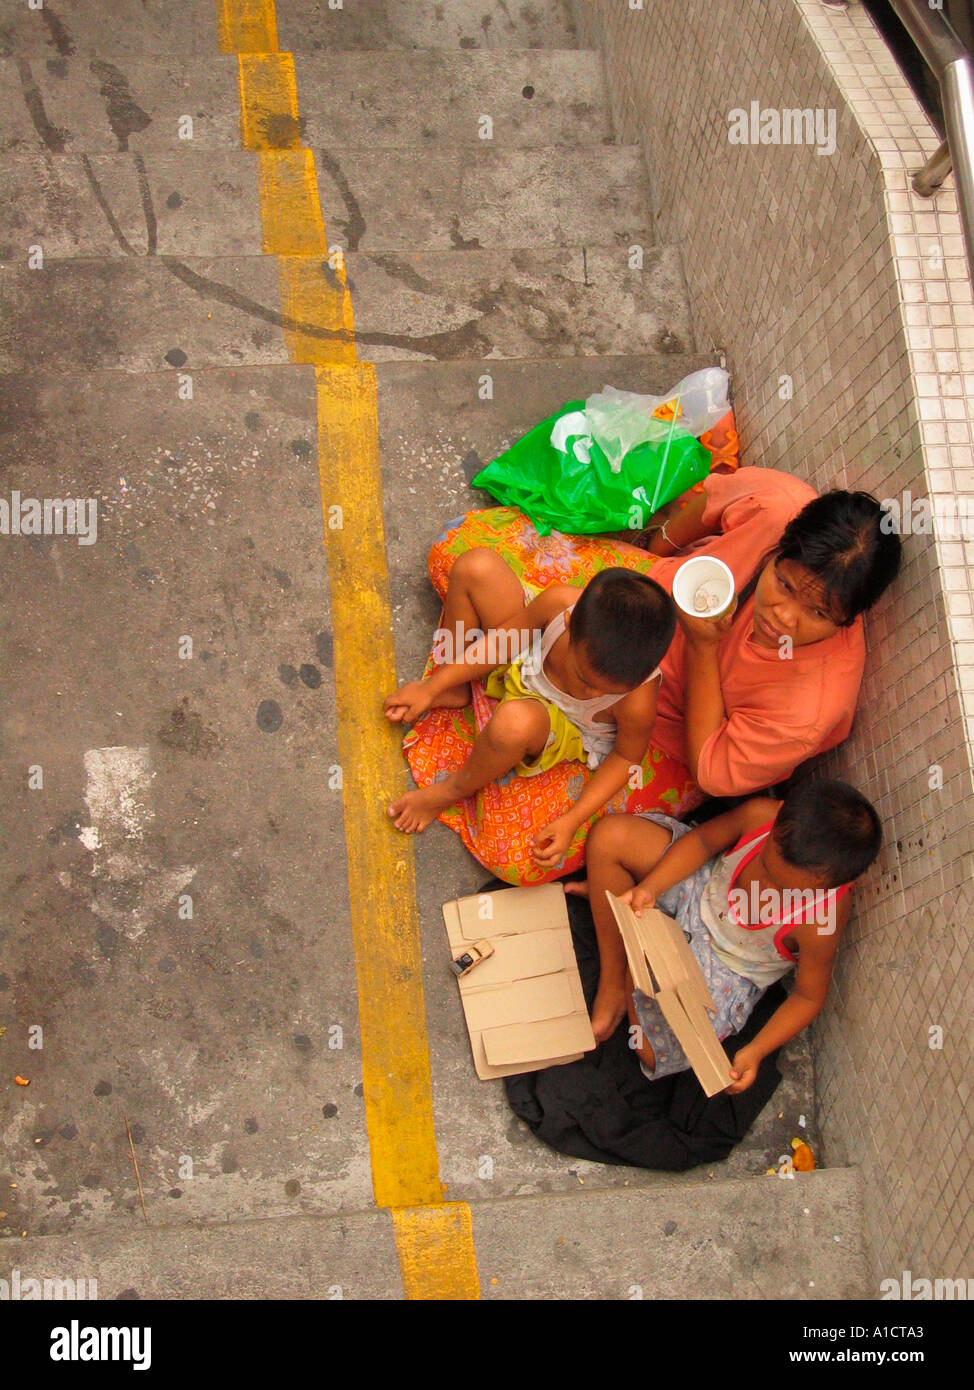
(409, 703)
(704, 632)
(550, 845)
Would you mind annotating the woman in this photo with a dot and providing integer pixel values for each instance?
(743, 700)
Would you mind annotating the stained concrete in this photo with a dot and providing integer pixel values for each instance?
(184, 26)
(85, 315)
(205, 202)
(763, 1239)
(86, 105)
(754, 1240)
(450, 24)
(211, 1035)
(91, 106)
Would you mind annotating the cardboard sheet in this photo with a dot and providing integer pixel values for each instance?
(656, 948)
(524, 1005)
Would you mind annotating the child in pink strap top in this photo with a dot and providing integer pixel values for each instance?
(759, 891)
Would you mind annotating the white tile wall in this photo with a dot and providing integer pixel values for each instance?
(828, 268)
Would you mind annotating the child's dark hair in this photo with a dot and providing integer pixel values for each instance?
(830, 828)
(626, 621)
(839, 538)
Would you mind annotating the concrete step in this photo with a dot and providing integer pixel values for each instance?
(84, 315)
(206, 202)
(210, 524)
(211, 1034)
(157, 27)
(756, 1239)
(385, 100)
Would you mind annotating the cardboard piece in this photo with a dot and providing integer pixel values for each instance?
(524, 1005)
(663, 967)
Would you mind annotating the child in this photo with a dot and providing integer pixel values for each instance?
(757, 890)
(583, 685)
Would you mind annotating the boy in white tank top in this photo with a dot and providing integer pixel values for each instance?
(576, 674)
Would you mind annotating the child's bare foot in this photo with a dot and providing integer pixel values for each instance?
(414, 811)
(608, 1011)
(412, 700)
(579, 888)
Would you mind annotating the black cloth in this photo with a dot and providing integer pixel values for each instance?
(603, 1108)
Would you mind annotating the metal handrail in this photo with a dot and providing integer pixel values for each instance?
(953, 66)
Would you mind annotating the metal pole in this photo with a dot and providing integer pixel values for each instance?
(957, 87)
(927, 180)
(952, 65)
(931, 31)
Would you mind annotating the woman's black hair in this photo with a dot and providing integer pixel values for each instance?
(839, 539)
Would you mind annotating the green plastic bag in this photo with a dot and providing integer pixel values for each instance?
(559, 476)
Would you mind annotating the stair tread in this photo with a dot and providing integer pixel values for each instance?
(744, 1239)
(205, 202)
(185, 26)
(445, 304)
(379, 98)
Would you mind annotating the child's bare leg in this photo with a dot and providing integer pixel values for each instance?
(517, 729)
(483, 591)
(642, 1049)
(619, 852)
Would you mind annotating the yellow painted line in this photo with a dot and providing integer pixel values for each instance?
(381, 885)
(247, 26)
(313, 293)
(269, 117)
(434, 1238)
(434, 1246)
(290, 211)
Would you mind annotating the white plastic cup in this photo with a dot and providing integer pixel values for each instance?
(703, 569)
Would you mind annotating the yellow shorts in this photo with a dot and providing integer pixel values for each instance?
(564, 741)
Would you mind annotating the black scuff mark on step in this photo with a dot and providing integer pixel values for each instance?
(354, 226)
(102, 202)
(459, 242)
(401, 270)
(125, 116)
(332, 276)
(585, 280)
(60, 37)
(148, 211)
(54, 137)
(212, 289)
(446, 345)
(472, 464)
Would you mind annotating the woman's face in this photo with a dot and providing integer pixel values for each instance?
(790, 602)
